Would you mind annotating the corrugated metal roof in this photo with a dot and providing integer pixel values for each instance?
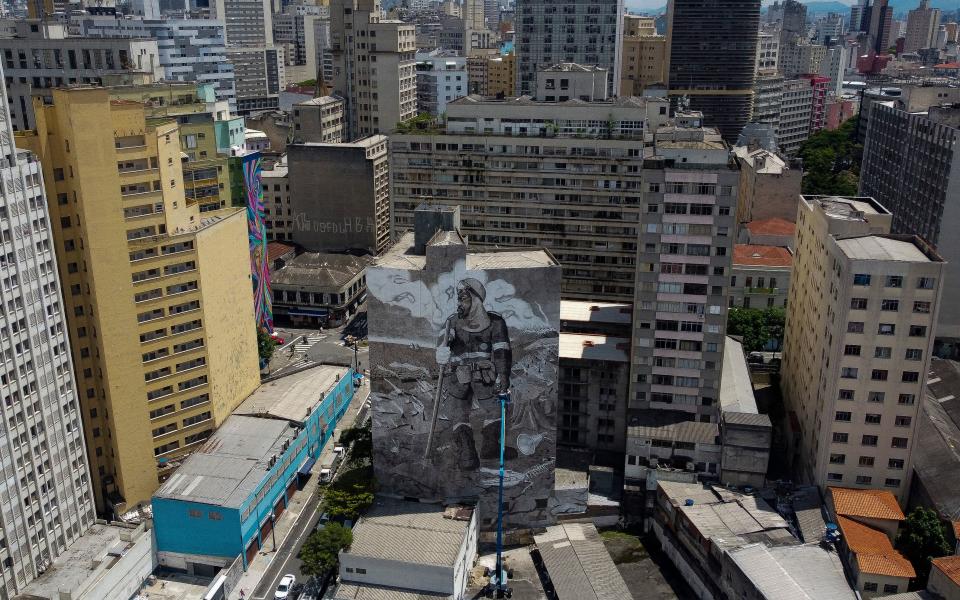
(806, 572)
(579, 565)
(683, 431)
(360, 591)
(294, 396)
(736, 389)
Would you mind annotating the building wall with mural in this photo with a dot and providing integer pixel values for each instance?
(449, 331)
(250, 167)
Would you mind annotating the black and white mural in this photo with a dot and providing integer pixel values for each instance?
(444, 344)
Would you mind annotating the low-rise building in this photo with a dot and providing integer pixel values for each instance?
(318, 120)
(760, 277)
(945, 577)
(569, 81)
(769, 186)
(578, 563)
(868, 522)
(745, 434)
(405, 549)
(768, 232)
(223, 501)
(315, 289)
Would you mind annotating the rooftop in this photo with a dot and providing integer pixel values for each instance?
(666, 425)
(360, 591)
(572, 67)
(762, 160)
(277, 249)
(425, 534)
(771, 226)
(402, 256)
(878, 247)
(595, 312)
(874, 552)
(579, 565)
(294, 396)
(736, 389)
(620, 101)
(869, 504)
(230, 465)
(753, 255)
(851, 208)
(315, 269)
(322, 100)
(594, 347)
(950, 566)
(807, 572)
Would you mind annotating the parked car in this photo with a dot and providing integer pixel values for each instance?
(285, 588)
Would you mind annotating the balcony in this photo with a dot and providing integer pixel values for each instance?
(762, 290)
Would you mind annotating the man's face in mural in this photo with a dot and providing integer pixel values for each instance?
(464, 302)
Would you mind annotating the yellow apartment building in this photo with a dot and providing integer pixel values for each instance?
(158, 295)
(502, 76)
(644, 56)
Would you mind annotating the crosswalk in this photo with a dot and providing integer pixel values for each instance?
(304, 345)
(305, 362)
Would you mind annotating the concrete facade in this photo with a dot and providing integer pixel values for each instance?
(440, 80)
(353, 213)
(855, 391)
(570, 81)
(769, 186)
(138, 258)
(320, 120)
(760, 276)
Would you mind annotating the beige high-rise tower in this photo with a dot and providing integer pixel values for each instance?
(157, 295)
(859, 334)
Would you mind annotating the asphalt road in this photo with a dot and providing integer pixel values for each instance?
(285, 560)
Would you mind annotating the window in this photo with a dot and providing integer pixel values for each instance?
(882, 352)
(840, 438)
(910, 377)
(886, 329)
(866, 461)
(893, 281)
(864, 479)
(842, 416)
(871, 419)
(848, 372)
(898, 442)
(902, 421)
(914, 354)
(921, 307)
(890, 305)
(890, 482)
(855, 327)
(869, 440)
(876, 397)
(858, 303)
(879, 375)
(834, 477)
(918, 330)
(926, 283)
(861, 279)
(906, 399)
(851, 350)
(895, 463)
(846, 394)
(838, 459)
(869, 586)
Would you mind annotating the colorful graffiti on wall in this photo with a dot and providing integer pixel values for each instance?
(259, 260)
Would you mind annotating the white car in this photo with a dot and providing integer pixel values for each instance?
(283, 590)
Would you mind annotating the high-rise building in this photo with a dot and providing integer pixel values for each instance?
(683, 271)
(923, 24)
(798, 57)
(159, 362)
(878, 23)
(829, 28)
(56, 59)
(502, 76)
(911, 165)
(189, 49)
(353, 210)
(249, 23)
(856, 16)
(802, 104)
(441, 78)
(258, 64)
(319, 120)
(644, 56)
(859, 335)
(586, 32)
(376, 79)
(768, 87)
(47, 501)
(714, 66)
(834, 65)
(794, 20)
(565, 176)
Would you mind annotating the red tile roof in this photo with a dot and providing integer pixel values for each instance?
(952, 65)
(871, 504)
(761, 256)
(874, 552)
(771, 226)
(277, 249)
(950, 565)
(956, 530)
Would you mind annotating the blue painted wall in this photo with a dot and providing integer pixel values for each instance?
(186, 527)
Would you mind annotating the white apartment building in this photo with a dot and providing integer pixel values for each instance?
(859, 335)
(829, 26)
(260, 74)
(248, 22)
(799, 57)
(834, 65)
(189, 49)
(304, 33)
(46, 501)
(41, 56)
(796, 107)
(768, 86)
(374, 67)
(683, 270)
(586, 32)
(277, 212)
(441, 79)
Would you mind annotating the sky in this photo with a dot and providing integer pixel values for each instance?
(653, 5)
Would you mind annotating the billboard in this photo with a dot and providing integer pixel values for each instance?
(444, 343)
(250, 166)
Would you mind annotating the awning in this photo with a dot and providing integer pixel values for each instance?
(310, 312)
(306, 466)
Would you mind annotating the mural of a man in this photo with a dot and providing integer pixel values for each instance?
(475, 359)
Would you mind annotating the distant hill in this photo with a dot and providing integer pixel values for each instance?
(815, 7)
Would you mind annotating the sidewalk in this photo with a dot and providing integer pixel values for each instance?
(302, 506)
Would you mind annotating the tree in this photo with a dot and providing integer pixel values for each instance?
(265, 345)
(831, 161)
(756, 326)
(347, 504)
(362, 440)
(921, 539)
(319, 554)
